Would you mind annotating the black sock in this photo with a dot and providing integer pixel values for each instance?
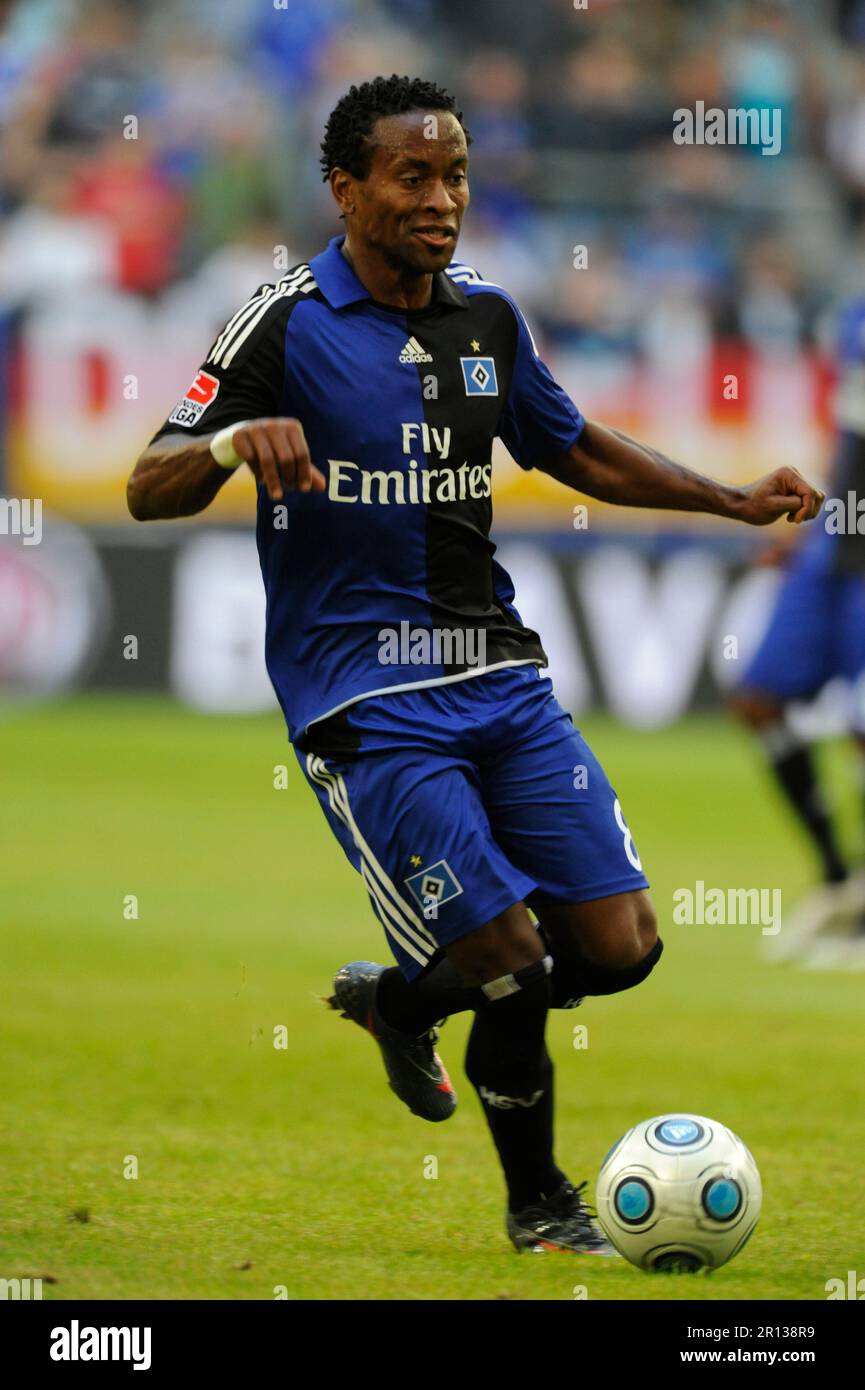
(509, 1066)
(793, 765)
(414, 1006)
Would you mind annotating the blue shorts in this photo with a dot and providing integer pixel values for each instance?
(815, 634)
(456, 801)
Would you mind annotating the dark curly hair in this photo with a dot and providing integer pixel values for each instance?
(347, 142)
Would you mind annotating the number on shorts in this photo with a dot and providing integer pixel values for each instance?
(630, 847)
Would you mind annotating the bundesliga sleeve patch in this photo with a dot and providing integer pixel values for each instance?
(199, 396)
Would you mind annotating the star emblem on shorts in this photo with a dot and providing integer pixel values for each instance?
(416, 860)
(476, 347)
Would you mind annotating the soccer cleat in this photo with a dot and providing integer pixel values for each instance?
(838, 952)
(562, 1221)
(414, 1069)
(826, 910)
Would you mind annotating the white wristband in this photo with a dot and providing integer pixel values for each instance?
(222, 446)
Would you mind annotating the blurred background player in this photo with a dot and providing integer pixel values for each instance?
(816, 634)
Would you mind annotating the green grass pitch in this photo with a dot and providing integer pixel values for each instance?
(152, 1039)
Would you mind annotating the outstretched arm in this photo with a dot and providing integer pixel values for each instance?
(606, 464)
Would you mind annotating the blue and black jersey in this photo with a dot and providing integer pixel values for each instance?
(400, 409)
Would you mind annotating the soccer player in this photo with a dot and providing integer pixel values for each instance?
(816, 633)
(364, 391)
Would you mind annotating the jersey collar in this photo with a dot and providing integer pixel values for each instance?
(340, 286)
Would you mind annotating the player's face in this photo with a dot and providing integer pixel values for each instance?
(411, 204)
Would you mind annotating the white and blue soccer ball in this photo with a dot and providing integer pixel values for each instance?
(679, 1193)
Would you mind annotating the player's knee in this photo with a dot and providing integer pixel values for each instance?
(628, 935)
(605, 979)
(627, 951)
(646, 925)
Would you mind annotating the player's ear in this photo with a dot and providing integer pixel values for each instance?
(342, 188)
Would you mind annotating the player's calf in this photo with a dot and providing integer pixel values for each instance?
(509, 1066)
(793, 764)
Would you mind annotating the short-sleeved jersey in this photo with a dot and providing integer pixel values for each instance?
(387, 580)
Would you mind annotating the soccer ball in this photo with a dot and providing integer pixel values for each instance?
(679, 1193)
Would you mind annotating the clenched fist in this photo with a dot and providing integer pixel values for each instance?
(785, 490)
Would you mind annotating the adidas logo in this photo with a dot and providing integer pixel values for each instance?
(413, 352)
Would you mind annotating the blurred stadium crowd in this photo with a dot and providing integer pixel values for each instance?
(155, 156)
(571, 112)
